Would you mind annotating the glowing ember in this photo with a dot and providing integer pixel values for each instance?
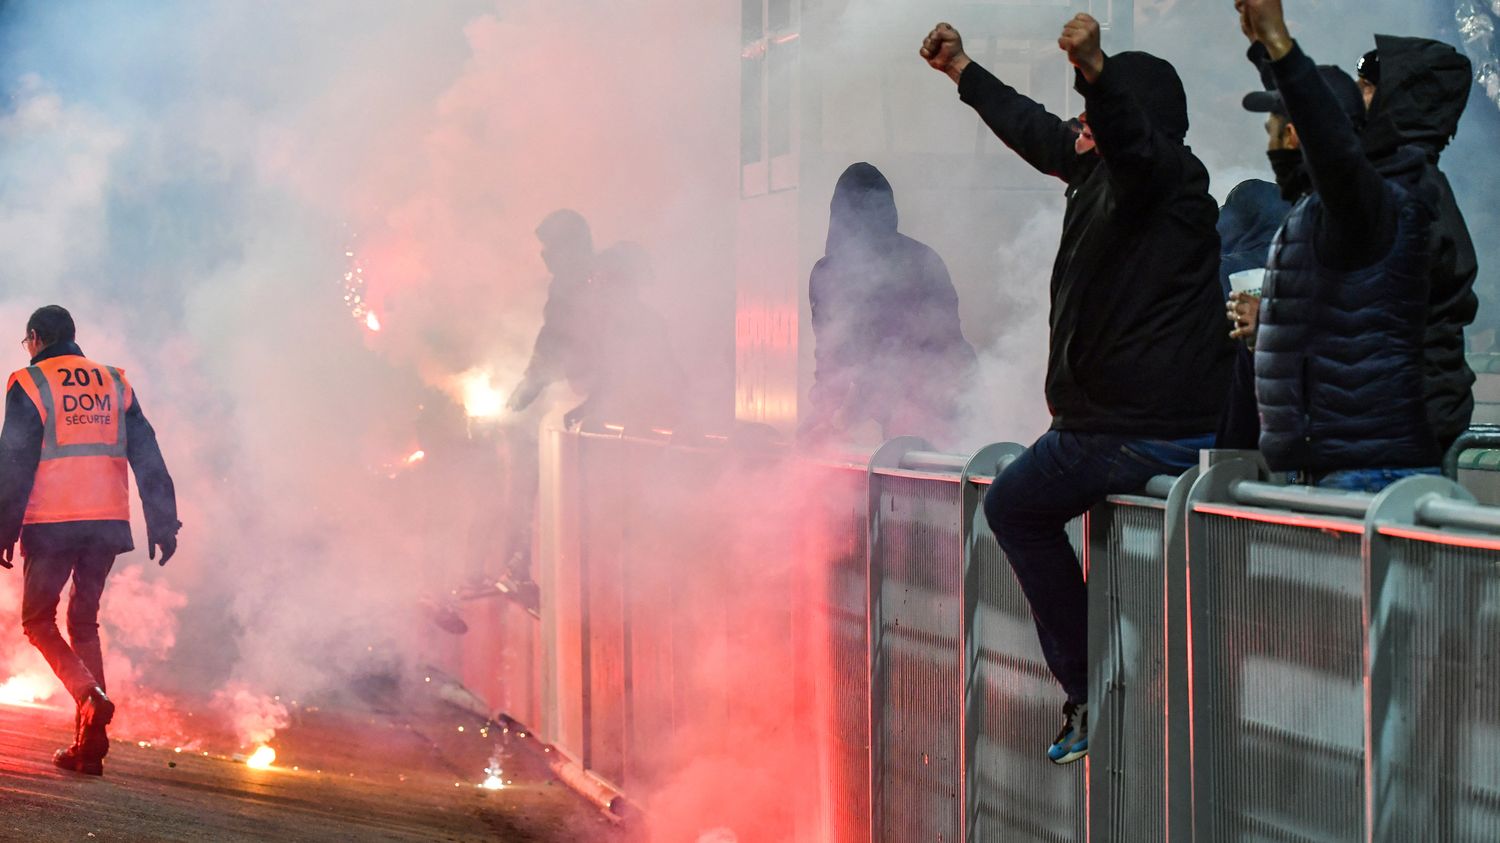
(492, 775)
(372, 321)
(261, 758)
(481, 399)
(25, 689)
(416, 456)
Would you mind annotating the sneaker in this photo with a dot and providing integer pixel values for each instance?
(1073, 741)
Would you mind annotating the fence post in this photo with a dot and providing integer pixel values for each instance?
(886, 456)
(1392, 738)
(1179, 772)
(1212, 486)
(987, 461)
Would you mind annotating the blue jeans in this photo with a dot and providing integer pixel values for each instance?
(1363, 479)
(1029, 506)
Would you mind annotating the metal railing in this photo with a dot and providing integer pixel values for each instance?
(1267, 662)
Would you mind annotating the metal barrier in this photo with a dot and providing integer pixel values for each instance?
(1012, 702)
(1138, 747)
(1433, 617)
(1248, 643)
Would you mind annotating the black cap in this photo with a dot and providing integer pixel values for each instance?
(1344, 89)
(1369, 67)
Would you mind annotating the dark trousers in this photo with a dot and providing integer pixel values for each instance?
(1029, 506)
(79, 664)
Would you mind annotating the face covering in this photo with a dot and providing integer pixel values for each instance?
(1291, 173)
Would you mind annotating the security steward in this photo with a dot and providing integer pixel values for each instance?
(72, 425)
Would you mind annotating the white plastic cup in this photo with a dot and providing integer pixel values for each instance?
(1248, 281)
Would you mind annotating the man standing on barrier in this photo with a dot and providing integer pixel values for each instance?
(1138, 361)
(1341, 346)
(73, 431)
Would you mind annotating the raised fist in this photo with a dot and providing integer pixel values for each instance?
(1264, 21)
(1080, 40)
(944, 50)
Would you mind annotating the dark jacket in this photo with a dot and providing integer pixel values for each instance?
(1424, 88)
(1138, 343)
(635, 379)
(888, 345)
(20, 454)
(569, 319)
(1338, 360)
(1248, 222)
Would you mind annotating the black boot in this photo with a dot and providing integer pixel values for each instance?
(74, 758)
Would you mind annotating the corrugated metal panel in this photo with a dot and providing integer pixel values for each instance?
(838, 532)
(1441, 744)
(1128, 747)
(1019, 796)
(606, 523)
(920, 695)
(1278, 720)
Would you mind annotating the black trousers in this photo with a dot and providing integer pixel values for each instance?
(78, 661)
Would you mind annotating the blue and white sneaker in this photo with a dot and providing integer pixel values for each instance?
(1073, 741)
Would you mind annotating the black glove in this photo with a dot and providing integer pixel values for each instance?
(7, 553)
(167, 543)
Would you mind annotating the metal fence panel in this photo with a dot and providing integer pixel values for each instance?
(1128, 685)
(1441, 745)
(838, 531)
(919, 692)
(1019, 796)
(1278, 723)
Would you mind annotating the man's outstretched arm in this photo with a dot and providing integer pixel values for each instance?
(1140, 161)
(1042, 139)
(1355, 200)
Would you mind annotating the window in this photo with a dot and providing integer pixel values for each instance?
(768, 96)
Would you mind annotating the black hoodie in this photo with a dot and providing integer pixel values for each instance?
(885, 320)
(1424, 88)
(1138, 342)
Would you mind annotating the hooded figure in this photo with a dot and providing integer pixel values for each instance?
(1248, 222)
(1341, 355)
(1137, 344)
(633, 377)
(1422, 91)
(885, 322)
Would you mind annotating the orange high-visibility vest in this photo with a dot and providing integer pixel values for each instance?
(83, 474)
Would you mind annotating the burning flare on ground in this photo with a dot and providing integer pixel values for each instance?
(25, 689)
(493, 775)
(262, 758)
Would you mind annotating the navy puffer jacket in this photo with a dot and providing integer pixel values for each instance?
(1339, 355)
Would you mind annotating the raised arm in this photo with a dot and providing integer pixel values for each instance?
(1042, 139)
(1355, 201)
(1141, 159)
